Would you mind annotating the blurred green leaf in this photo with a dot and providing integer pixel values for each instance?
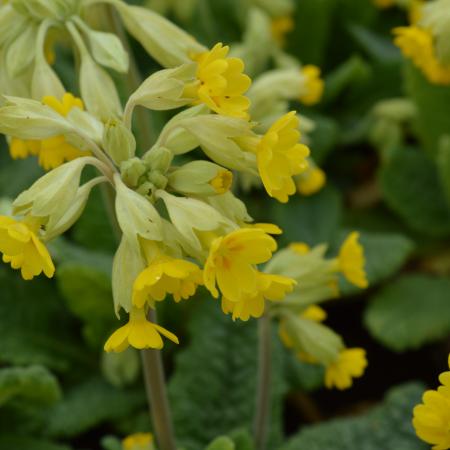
(213, 389)
(90, 404)
(443, 161)
(433, 105)
(324, 137)
(28, 443)
(221, 443)
(410, 312)
(312, 219)
(386, 427)
(411, 187)
(385, 254)
(300, 375)
(33, 384)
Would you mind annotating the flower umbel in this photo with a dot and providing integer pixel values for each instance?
(139, 333)
(280, 156)
(221, 83)
(350, 364)
(22, 248)
(166, 275)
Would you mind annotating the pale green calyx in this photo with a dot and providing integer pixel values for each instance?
(118, 141)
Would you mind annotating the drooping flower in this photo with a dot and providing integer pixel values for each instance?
(138, 441)
(139, 333)
(351, 261)
(280, 27)
(280, 156)
(311, 181)
(269, 287)
(221, 83)
(417, 44)
(22, 248)
(350, 364)
(232, 259)
(222, 181)
(166, 275)
(53, 151)
(313, 85)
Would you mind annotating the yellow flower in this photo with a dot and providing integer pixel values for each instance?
(222, 181)
(53, 151)
(280, 27)
(280, 156)
(300, 247)
(311, 181)
(350, 364)
(351, 261)
(166, 275)
(232, 259)
(417, 44)
(384, 3)
(314, 85)
(269, 287)
(22, 248)
(138, 441)
(139, 333)
(221, 83)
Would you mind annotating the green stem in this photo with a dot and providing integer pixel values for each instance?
(263, 394)
(133, 80)
(157, 395)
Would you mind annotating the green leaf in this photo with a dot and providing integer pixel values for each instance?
(385, 254)
(34, 325)
(411, 187)
(302, 376)
(324, 137)
(410, 312)
(28, 443)
(213, 389)
(433, 105)
(90, 404)
(221, 443)
(386, 427)
(312, 219)
(443, 161)
(33, 384)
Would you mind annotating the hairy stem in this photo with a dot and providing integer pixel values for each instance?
(157, 395)
(263, 393)
(134, 80)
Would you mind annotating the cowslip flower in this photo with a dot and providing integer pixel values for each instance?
(53, 151)
(280, 27)
(22, 248)
(166, 275)
(138, 441)
(280, 156)
(432, 417)
(269, 287)
(313, 85)
(311, 180)
(139, 332)
(221, 83)
(417, 44)
(351, 261)
(350, 364)
(232, 259)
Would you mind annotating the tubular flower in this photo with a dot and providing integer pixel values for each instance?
(222, 181)
(139, 333)
(164, 276)
(221, 83)
(417, 44)
(350, 364)
(138, 441)
(314, 85)
(53, 151)
(269, 287)
(280, 156)
(351, 261)
(22, 248)
(432, 417)
(311, 181)
(280, 27)
(231, 262)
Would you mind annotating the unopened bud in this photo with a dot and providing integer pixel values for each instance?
(118, 141)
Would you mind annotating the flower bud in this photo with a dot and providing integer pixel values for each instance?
(164, 41)
(136, 215)
(159, 159)
(201, 178)
(118, 141)
(132, 170)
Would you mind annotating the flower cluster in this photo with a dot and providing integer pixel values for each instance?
(301, 328)
(432, 417)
